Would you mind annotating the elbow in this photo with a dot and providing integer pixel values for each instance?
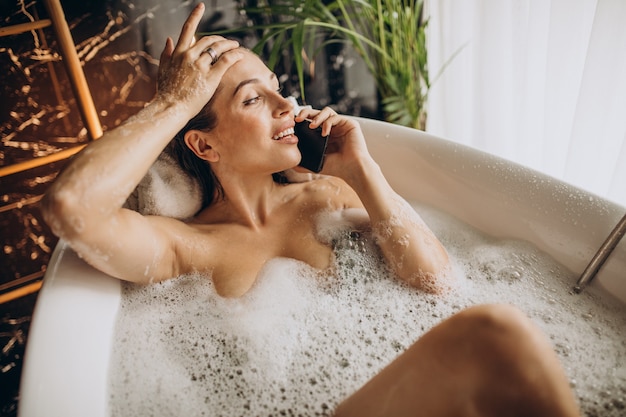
(61, 212)
(439, 283)
(432, 277)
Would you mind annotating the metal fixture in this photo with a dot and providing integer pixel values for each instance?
(600, 257)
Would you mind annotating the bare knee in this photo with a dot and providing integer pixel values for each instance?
(498, 338)
(494, 322)
(512, 362)
(492, 315)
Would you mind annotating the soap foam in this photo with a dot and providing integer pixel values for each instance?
(300, 341)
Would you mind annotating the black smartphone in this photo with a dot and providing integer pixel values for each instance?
(312, 146)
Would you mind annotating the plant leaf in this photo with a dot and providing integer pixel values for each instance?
(297, 39)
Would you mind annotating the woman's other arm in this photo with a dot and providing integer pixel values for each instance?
(409, 246)
(84, 204)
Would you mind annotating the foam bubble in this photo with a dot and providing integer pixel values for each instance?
(300, 341)
(333, 223)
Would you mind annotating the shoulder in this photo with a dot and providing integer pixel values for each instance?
(329, 191)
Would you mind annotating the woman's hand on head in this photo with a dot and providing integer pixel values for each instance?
(346, 145)
(187, 72)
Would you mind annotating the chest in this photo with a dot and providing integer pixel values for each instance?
(240, 253)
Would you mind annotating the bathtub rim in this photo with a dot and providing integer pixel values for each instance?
(62, 294)
(554, 213)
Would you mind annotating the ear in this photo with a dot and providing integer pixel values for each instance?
(199, 143)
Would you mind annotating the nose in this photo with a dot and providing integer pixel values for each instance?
(282, 106)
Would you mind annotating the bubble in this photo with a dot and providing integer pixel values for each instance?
(300, 340)
(77, 224)
(510, 273)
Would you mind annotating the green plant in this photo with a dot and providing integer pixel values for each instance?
(389, 35)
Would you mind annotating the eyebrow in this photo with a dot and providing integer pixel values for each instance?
(250, 81)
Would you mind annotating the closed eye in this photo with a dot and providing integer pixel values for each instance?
(252, 100)
(256, 99)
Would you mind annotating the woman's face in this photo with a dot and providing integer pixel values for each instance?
(254, 131)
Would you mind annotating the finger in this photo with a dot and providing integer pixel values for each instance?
(324, 118)
(227, 60)
(218, 44)
(322, 115)
(165, 58)
(328, 124)
(189, 28)
(306, 113)
(208, 41)
(166, 54)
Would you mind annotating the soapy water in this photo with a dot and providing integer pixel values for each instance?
(300, 341)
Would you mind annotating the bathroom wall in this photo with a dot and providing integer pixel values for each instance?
(118, 43)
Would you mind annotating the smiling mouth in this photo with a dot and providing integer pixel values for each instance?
(286, 132)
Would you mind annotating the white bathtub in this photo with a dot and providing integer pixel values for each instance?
(67, 356)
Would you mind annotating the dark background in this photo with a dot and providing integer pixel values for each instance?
(118, 42)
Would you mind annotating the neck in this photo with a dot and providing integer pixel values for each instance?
(247, 201)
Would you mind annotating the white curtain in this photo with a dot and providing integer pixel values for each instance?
(539, 82)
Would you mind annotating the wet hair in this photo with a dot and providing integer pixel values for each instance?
(205, 120)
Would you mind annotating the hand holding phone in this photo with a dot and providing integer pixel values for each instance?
(312, 146)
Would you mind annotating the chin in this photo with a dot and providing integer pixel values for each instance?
(293, 160)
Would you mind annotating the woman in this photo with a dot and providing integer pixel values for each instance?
(240, 129)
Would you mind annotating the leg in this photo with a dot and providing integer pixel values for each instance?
(484, 361)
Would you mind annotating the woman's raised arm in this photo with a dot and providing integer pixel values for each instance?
(84, 204)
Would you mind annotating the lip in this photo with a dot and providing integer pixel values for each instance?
(289, 138)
